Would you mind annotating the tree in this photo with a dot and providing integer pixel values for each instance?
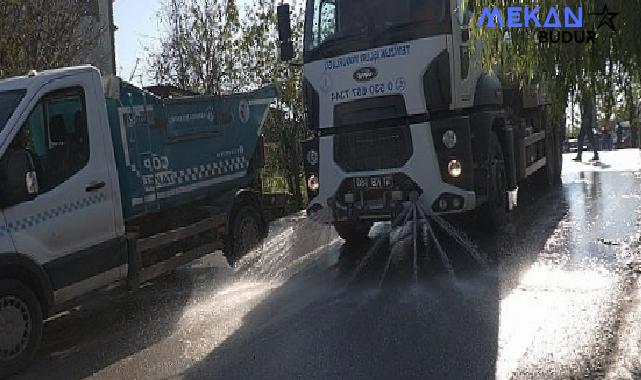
(200, 47)
(43, 34)
(561, 66)
(285, 127)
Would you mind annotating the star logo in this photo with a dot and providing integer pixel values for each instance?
(607, 18)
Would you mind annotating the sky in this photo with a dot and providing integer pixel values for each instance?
(138, 29)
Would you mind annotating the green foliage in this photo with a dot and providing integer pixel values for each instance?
(608, 67)
(285, 126)
(41, 34)
(200, 46)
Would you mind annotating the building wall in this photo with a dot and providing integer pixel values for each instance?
(100, 19)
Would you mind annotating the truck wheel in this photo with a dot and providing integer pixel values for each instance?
(353, 232)
(20, 326)
(493, 214)
(246, 234)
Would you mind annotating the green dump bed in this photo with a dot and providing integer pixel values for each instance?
(170, 152)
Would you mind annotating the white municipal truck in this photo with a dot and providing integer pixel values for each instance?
(401, 108)
(103, 182)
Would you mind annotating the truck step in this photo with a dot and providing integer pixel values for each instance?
(156, 270)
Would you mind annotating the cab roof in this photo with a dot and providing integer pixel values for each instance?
(34, 80)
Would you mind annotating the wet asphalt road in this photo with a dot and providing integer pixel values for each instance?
(560, 300)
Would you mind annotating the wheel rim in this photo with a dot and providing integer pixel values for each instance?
(15, 327)
(248, 235)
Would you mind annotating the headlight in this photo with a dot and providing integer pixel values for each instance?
(449, 139)
(455, 169)
(313, 183)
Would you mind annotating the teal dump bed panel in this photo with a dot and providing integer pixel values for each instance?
(173, 151)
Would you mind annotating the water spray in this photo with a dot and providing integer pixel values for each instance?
(423, 227)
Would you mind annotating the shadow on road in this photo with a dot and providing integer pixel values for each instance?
(318, 326)
(112, 326)
(315, 324)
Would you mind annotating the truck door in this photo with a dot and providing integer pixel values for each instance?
(70, 226)
(464, 70)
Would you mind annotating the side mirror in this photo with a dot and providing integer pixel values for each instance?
(285, 33)
(464, 13)
(463, 17)
(20, 182)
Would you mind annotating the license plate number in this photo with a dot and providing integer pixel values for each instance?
(377, 182)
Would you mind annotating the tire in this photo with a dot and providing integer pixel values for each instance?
(492, 216)
(353, 232)
(246, 233)
(21, 321)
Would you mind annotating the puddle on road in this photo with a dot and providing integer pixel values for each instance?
(549, 319)
(552, 321)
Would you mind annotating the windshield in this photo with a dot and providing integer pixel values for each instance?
(9, 100)
(350, 25)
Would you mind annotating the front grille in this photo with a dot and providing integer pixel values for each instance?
(375, 149)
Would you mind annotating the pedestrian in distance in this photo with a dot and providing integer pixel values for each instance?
(588, 123)
(606, 144)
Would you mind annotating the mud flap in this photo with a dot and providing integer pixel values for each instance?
(513, 199)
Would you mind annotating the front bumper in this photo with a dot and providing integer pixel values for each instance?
(351, 203)
(423, 173)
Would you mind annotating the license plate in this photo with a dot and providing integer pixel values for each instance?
(376, 182)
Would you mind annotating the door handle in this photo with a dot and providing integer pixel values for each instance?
(95, 186)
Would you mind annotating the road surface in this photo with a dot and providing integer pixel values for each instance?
(559, 300)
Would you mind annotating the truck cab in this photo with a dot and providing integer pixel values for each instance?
(61, 231)
(60, 122)
(402, 109)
